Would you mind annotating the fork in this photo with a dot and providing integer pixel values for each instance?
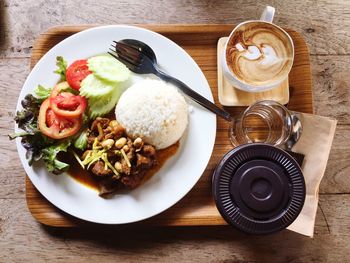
(140, 63)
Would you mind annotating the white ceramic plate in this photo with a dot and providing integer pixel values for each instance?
(176, 177)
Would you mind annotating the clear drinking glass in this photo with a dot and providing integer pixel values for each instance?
(265, 121)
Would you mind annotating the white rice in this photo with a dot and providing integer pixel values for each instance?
(153, 110)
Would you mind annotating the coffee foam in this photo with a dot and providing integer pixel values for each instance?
(259, 53)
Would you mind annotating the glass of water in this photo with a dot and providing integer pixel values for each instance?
(265, 121)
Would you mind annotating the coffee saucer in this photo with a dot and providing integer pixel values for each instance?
(231, 96)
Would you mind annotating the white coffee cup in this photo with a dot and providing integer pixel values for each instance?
(259, 66)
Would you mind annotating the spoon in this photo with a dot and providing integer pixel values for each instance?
(294, 138)
(296, 132)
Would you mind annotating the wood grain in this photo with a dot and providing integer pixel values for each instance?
(332, 87)
(323, 23)
(200, 41)
(23, 239)
(325, 26)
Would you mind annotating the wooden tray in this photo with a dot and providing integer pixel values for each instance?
(200, 41)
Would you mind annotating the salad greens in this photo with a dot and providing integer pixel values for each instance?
(27, 118)
(101, 88)
(82, 140)
(50, 157)
(42, 93)
(38, 145)
(61, 67)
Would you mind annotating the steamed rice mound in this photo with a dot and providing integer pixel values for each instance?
(154, 111)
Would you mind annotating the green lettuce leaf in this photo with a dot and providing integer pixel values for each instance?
(61, 67)
(42, 93)
(81, 141)
(49, 155)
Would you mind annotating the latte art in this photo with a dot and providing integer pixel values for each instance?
(259, 53)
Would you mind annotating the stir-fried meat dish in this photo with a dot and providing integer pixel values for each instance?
(120, 161)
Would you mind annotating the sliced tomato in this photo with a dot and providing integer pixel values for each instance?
(67, 100)
(76, 72)
(68, 105)
(58, 88)
(55, 126)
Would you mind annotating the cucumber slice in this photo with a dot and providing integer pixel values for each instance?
(93, 87)
(103, 105)
(108, 68)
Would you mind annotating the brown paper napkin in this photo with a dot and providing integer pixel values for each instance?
(315, 143)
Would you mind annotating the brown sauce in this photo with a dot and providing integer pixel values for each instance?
(79, 174)
(162, 156)
(86, 178)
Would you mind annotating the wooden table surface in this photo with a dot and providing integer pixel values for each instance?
(324, 24)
